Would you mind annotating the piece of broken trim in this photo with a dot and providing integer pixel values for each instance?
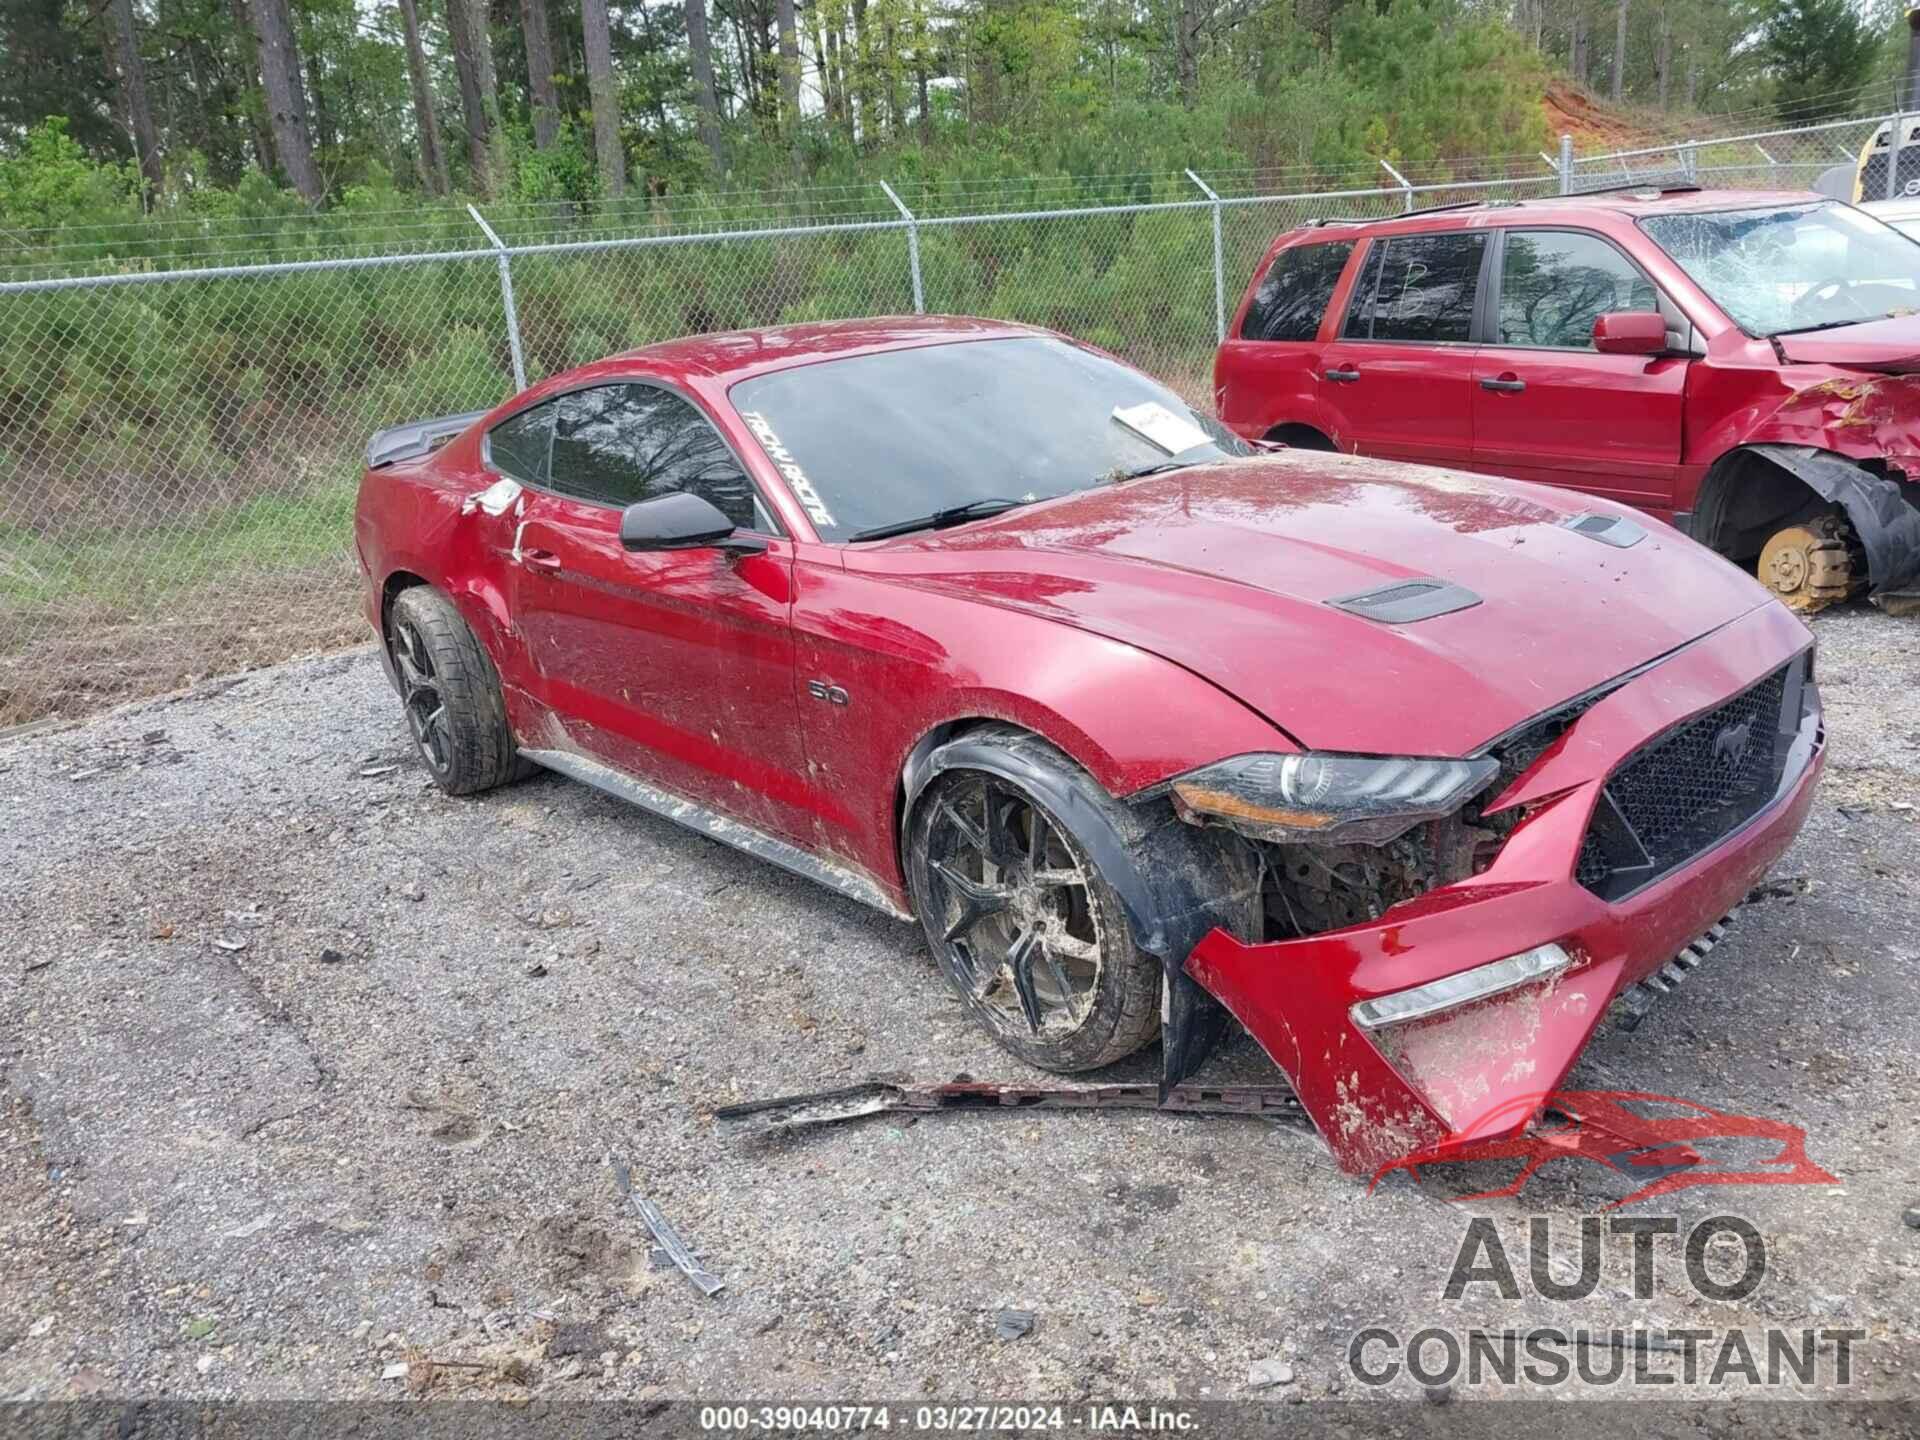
(877, 1097)
(1639, 998)
(669, 1238)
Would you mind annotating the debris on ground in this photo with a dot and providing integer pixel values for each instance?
(576, 1340)
(1263, 1373)
(878, 1097)
(1912, 1217)
(1785, 887)
(374, 772)
(669, 1238)
(1013, 1324)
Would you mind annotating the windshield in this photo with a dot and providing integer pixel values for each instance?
(1803, 267)
(873, 441)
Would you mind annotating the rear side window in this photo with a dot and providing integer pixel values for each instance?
(1295, 291)
(617, 444)
(518, 447)
(1418, 288)
(1554, 283)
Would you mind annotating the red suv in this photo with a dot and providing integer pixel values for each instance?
(1745, 365)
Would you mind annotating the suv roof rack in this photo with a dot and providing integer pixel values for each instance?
(1670, 182)
(1409, 214)
(1675, 182)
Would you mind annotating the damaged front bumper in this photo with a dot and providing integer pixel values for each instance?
(1389, 1071)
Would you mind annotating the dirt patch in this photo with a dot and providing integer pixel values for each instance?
(76, 659)
(1593, 124)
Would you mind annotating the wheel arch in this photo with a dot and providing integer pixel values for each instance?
(1754, 490)
(1175, 882)
(1298, 435)
(390, 589)
(477, 598)
(1745, 497)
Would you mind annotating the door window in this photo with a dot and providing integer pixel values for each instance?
(1295, 291)
(518, 447)
(1422, 291)
(618, 444)
(1553, 283)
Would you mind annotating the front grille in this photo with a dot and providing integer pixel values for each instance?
(1689, 789)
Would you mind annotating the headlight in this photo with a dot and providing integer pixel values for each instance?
(1449, 991)
(1328, 799)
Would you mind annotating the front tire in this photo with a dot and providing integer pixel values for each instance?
(450, 693)
(1024, 927)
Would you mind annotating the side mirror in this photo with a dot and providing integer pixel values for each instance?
(683, 521)
(1630, 332)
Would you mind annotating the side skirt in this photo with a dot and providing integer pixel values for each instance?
(717, 827)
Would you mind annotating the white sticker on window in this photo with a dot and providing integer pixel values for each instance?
(1160, 427)
(789, 468)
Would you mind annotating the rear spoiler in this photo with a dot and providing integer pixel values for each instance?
(416, 438)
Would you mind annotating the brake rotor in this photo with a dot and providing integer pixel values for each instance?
(1810, 566)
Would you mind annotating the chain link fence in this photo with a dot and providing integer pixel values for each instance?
(180, 441)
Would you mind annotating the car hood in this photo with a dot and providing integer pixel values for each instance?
(1891, 345)
(1227, 570)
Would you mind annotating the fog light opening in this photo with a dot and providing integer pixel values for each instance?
(1450, 991)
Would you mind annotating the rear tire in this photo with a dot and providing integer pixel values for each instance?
(451, 695)
(1025, 929)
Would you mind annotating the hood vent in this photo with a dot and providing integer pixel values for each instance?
(1614, 530)
(1405, 601)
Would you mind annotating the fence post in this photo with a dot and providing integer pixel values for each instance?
(1219, 261)
(1896, 132)
(506, 300)
(1566, 164)
(913, 248)
(1406, 189)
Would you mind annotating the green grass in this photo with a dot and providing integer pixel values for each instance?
(139, 567)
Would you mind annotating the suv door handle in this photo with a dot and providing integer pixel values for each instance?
(1509, 384)
(1344, 377)
(540, 559)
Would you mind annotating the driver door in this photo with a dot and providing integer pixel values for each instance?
(1549, 407)
(674, 666)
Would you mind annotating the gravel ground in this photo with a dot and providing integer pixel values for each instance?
(310, 1071)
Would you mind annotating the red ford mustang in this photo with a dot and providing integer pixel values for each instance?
(1411, 772)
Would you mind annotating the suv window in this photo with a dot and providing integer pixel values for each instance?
(1418, 288)
(1554, 282)
(616, 444)
(519, 446)
(1294, 292)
